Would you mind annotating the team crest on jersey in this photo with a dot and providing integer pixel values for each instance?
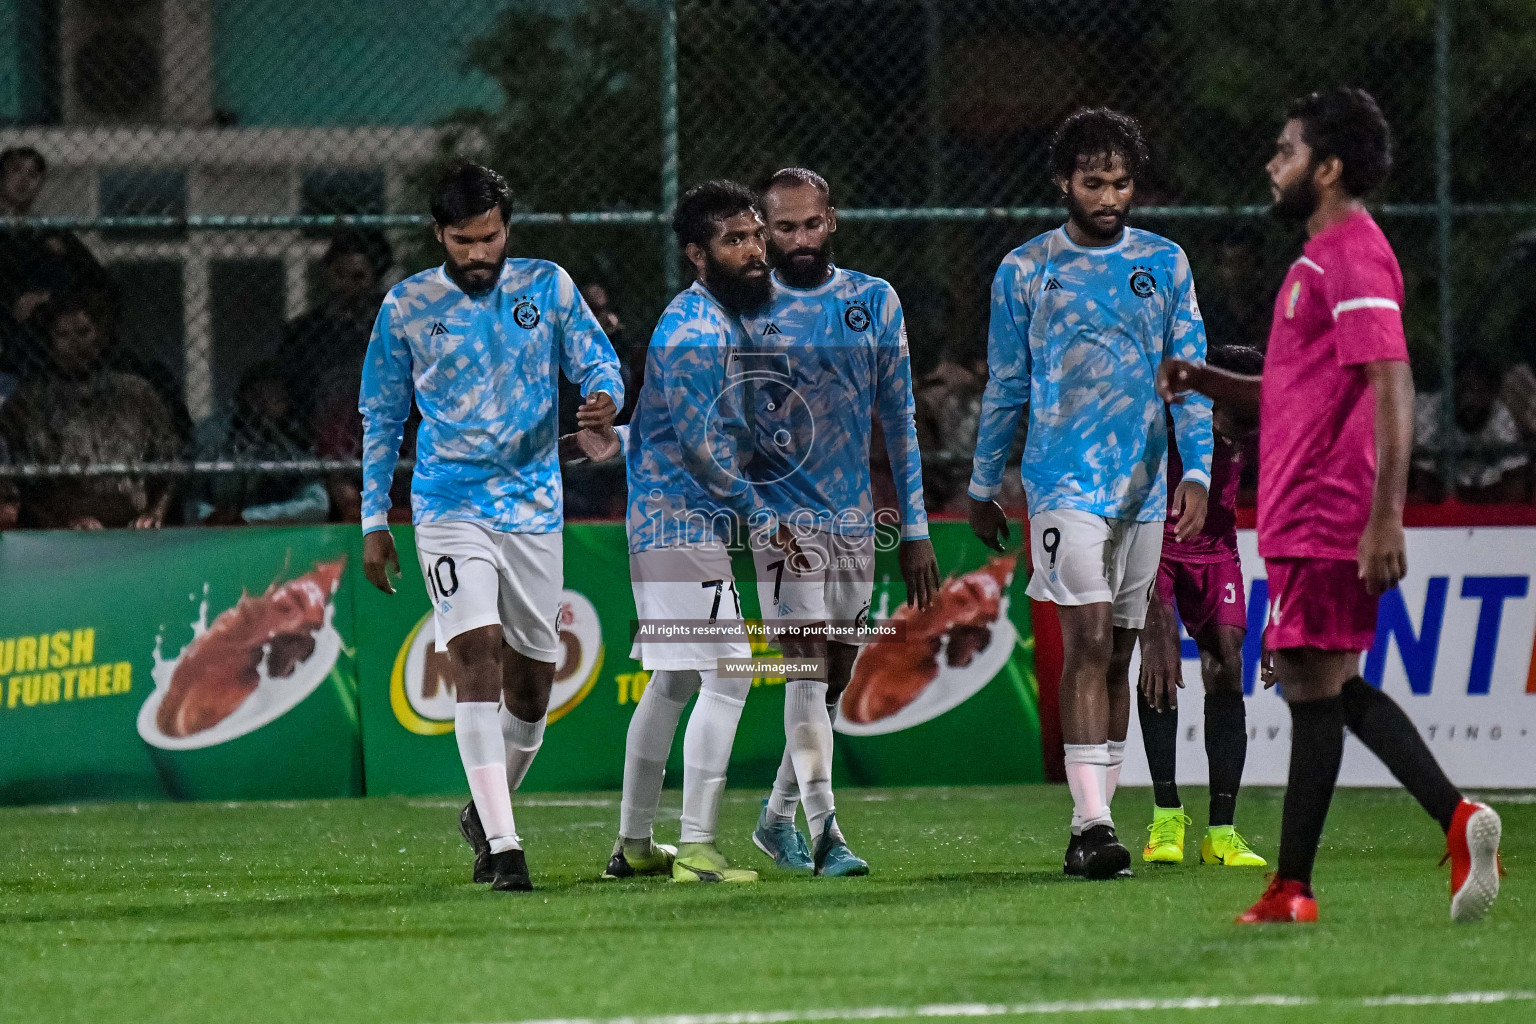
(525, 314)
(772, 328)
(1143, 283)
(437, 329)
(857, 317)
(1290, 302)
(1052, 285)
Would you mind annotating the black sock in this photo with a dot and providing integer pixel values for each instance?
(1226, 748)
(1160, 735)
(1381, 725)
(1317, 746)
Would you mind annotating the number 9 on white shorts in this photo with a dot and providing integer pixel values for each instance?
(1080, 558)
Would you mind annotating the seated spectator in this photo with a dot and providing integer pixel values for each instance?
(35, 265)
(1491, 461)
(264, 429)
(10, 494)
(78, 409)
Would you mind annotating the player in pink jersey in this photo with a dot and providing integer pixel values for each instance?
(1336, 432)
(1200, 580)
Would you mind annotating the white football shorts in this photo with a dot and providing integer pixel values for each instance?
(835, 585)
(477, 576)
(687, 607)
(1080, 558)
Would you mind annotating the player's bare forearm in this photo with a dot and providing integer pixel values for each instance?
(1393, 384)
(1383, 549)
(1176, 378)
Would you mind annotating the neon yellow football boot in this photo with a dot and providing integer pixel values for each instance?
(703, 862)
(1166, 844)
(1222, 845)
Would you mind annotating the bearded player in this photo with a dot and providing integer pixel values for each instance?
(1081, 318)
(688, 500)
(1200, 580)
(835, 345)
(1336, 435)
(475, 341)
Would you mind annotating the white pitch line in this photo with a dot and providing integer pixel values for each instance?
(858, 1013)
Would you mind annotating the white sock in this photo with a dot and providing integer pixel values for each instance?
(707, 752)
(484, 754)
(651, 729)
(808, 732)
(1087, 777)
(785, 796)
(523, 740)
(1112, 774)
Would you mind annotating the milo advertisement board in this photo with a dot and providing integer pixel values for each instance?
(190, 664)
(257, 663)
(950, 698)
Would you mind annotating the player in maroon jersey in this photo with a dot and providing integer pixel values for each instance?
(1335, 435)
(1200, 580)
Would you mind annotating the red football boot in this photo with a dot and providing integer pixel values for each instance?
(1472, 847)
(1284, 902)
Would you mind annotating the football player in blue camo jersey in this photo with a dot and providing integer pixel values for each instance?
(1082, 316)
(474, 341)
(831, 350)
(688, 500)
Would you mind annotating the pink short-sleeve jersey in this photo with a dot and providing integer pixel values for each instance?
(1339, 309)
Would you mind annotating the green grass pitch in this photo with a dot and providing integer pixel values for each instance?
(362, 910)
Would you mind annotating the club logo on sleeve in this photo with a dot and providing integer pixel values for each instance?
(857, 317)
(1143, 283)
(525, 314)
(1290, 302)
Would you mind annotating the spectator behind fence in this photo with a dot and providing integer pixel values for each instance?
(77, 408)
(322, 353)
(1492, 462)
(948, 400)
(265, 429)
(1237, 310)
(35, 265)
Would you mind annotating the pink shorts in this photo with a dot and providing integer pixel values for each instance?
(1320, 603)
(1206, 593)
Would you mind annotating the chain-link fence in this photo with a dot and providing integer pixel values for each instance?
(204, 198)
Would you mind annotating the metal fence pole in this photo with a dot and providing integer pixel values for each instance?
(670, 257)
(1444, 215)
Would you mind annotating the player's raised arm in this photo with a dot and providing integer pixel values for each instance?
(587, 357)
(385, 402)
(1177, 379)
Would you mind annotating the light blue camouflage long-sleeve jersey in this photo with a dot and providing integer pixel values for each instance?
(825, 361)
(689, 433)
(481, 369)
(1077, 336)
